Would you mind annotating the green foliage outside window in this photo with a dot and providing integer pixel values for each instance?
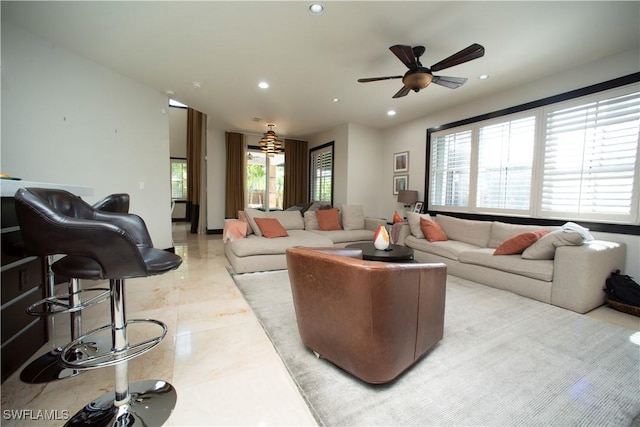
(178, 179)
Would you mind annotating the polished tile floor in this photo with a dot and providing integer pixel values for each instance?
(215, 354)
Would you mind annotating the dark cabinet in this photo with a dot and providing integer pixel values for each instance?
(21, 285)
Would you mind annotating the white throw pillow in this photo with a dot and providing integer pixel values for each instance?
(311, 221)
(352, 217)
(414, 223)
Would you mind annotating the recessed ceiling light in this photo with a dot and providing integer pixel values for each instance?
(316, 9)
(263, 85)
(196, 85)
(391, 113)
(484, 77)
(335, 100)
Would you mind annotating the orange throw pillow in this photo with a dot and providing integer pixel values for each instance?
(432, 231)
(397, 217)
(518, 243)
(271, 227)
(328, 219)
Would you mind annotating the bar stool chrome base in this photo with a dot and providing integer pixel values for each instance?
(47, 367)
(151, 404)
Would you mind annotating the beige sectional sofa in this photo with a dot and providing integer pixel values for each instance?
(254, 252)
(568, 276)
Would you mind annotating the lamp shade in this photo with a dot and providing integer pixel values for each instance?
(407, 197)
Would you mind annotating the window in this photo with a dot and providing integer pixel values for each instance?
(265, 180)
(321, 170)
(505, 160)
(590, 158)
(178, 179)
(451, 169)
(575, 159)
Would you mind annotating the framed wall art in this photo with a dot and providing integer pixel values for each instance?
(401, 162)
(400, 182)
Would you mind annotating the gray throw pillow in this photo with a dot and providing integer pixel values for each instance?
(251, 215)
(545, 247)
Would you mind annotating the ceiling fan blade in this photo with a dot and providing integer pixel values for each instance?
(405, 54)
(450, 82)
(375, 79)
(472, 52)
(402, 92)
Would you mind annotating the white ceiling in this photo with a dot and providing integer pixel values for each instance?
(230, 46)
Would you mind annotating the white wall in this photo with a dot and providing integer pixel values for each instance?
(71, 121)
(366, 160)
(412, 135)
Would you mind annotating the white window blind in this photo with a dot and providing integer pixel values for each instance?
(322, 174)
(590, 159)
(505, 159)
(450, 169)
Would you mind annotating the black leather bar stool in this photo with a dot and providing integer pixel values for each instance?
(47, 367)
(103, 245)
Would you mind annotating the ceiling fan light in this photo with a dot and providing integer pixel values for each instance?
(417, 81)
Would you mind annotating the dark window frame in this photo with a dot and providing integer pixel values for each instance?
(312, 168)
(630, 229)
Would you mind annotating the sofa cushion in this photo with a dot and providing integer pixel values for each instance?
(271, 228)
(290, 220)
(352, 217)
(545, 248)
(254, 245)
(501, 231)
(328, 219)
(450, 249)
(414, 223)
(344, 236)
(518, 243)
(465, 230)
(538, 269)
(432, 231)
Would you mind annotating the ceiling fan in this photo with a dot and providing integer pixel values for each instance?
(419, 77)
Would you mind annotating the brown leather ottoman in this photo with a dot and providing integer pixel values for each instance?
(372, 319)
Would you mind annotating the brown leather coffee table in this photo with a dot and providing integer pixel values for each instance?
(395, 253)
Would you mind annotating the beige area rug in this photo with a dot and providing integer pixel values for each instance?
(504, 360)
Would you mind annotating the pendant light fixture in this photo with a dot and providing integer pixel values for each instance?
(270, 144)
